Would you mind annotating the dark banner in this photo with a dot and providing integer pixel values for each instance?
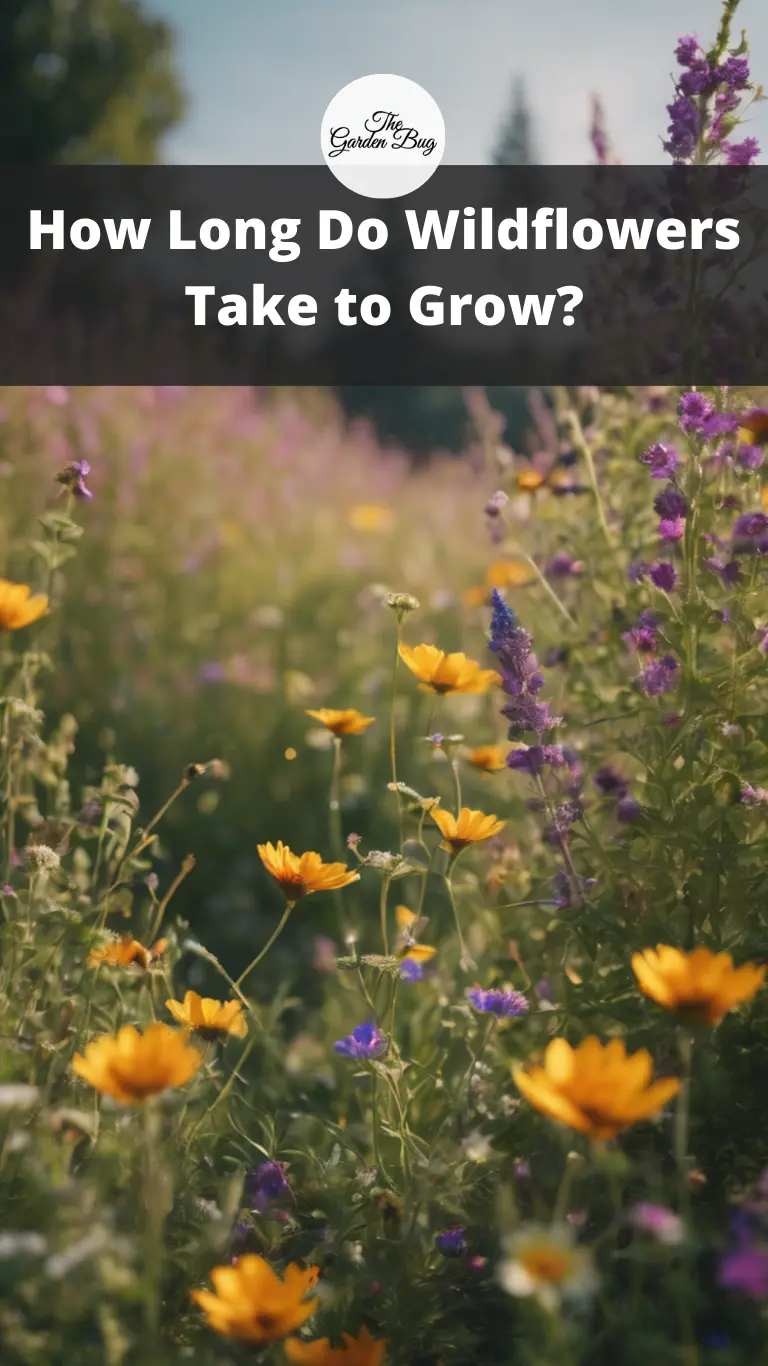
(278, 275)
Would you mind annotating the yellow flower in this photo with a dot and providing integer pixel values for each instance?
(596, 1089)
(349, 722)
(500, 574)
(254, 1305)
(121, 953)
(753, 429)
(131, 1066)
(489, 758)
(371, 517)
(543, 1262)
(301, 874)
(360, 1351)
(529, 481)
(701, 986)
(209, 1018)
(471, 827)
(19, 607)
(409, 925)
(441, 673)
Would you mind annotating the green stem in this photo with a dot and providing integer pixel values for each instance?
(154, 1218)
(682, 1111)
(466, 963)
(283, 922)
(456, 783)
(385, 881)
(392, 735)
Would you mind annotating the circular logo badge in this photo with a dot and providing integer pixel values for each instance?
(382, 136)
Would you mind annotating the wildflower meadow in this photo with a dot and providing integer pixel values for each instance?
(383, 873)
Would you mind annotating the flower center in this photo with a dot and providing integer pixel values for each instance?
(545, 1264)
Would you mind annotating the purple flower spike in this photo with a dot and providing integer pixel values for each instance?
(742, 153)
(452, 1242)
(670, 503)
(671, 529)
(687, 50)
(694, 411)
(662, 461)
(504, 1003)
(364, 1043)
(749, 526)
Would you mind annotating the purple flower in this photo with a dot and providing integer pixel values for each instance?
(683, 130)
(670, 503)
(452, 1241)
(694, 410)
(566, 816)
(628, 810)
(749, 457)
(265, 1184)
(665, 1225)
(696, 79)
(502, 1002)
(729, 570)
(753, 796)
(742, 153)
(496, 503)
(750, 525)
(533, 758)
(718, 424)
(365, 1042)
(73, 477)
(520, 676)
(609, 782)
(544, 990)
(734, 72)
(746, 1269)
(411, 971)
(659, 677)
(671, 529)
(560, 566)
(638, 570)
(662, 461)
(687, 50)
(664, 576)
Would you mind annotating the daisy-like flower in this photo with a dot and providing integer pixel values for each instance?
(443, 673)
(301, 874)
(131, 1066)
(471, 827)
(208, 1018)
(488, 758)
(363, 1350)
(348, 722)
(122, 953)
(545, 1263)
(503, 1002)
(597, 1089)
(366, 1041)
(701, 986)
(371, 517)
(252, 1304)
(19, 606)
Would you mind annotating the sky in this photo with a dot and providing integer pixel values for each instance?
(259, 73)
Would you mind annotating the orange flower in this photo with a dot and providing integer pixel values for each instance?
(349, 722)
(489, 758)
(19, 607)
(596, 1089)
(371, 517)
(441, 673)
(131, 1066)
(500, 574)
(121, 953)
(301, 874)
(701, 986)
(360, 1351)
(471, 827)
(209, 1018)
(252, 1304)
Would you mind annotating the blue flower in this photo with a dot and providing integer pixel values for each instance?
(411, 971)
(365, 1042)
(452, 1241)
(267, 1183)
(502, 1002)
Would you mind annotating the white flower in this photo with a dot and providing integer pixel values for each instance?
(545, 1263)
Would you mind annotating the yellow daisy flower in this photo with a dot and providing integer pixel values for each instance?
(19, 607)
(122, 953)
(252, 1304)
(701, 986)
(209, 1018)
(453, 673)
(349, 722)
(471, 827)
(301, 874)
(545, 1263)
(360, 1351)
(131, 1066)
(597, 1089)
(488, 758)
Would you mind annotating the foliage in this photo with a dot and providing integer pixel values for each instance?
(446, 1213)
(88, 81)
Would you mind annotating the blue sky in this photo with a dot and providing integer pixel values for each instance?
(259, 73)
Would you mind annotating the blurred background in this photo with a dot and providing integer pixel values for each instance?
(239, 543)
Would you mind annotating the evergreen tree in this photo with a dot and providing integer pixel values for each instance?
(514, 146)
(84, 81)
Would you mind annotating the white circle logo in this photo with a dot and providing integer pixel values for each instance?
(382, 136)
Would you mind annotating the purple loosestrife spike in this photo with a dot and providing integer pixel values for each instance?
(452, 1242)
(364, 1043)
(504, 1003)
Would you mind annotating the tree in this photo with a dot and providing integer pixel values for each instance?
(84, 81)
(514, 145)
